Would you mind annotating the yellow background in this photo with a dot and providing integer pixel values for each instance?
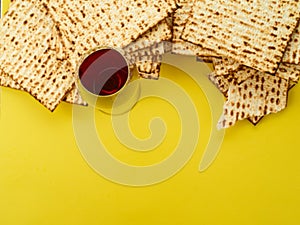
(44, 179)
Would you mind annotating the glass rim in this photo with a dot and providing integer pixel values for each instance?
(93, 50)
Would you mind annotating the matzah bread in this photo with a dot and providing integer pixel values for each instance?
(148, 67)
(289, 72)
(255, 119)
(44, 62)
(148, 52)
(29, 57)
(149, 70)
(235, 84)
(225, 65)
(74, 97)
(257, 96)
(180, 46)
(255, 33)
(292, 53)
(222, 82)
(159, 33)
(122, 22)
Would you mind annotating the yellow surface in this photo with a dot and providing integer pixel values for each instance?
(45, 180)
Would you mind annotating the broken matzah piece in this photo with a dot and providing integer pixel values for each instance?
(149, 67)
(257, 96)
(254, 33)
(222, 82)
(224, 66)
(154, 42)
(74, 97)
(255, 119)
(206, 59)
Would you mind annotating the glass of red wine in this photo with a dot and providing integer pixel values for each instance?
(105, 81)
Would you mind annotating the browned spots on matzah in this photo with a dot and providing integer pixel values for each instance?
(158, 33)
(146, 54)
(257, 96)
(206, 59)
(225, 65)
(74, 97)
(29, 58)
(179, 20)
(149, 67)
(289, 72)
(243, 74)
(222, 82)
(292, 53)
(6, 81)
(90, 24)
(254, 33)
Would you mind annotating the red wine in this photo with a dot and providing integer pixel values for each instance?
(104, 72)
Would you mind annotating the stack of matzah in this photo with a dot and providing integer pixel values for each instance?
(254, 46)
(42, 41)
(28, 56)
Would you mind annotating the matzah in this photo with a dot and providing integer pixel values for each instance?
(6, 81)
(74, 97)
(179, 20)
(222, 82)
(29, 55)
(257, 96)
(149, 67)
(292, 53)
(148, 52)
(289, 72)
(255, 33)
(255, 119)
(157, 34)
(154, 42)
(225, 65)
(122, 22)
